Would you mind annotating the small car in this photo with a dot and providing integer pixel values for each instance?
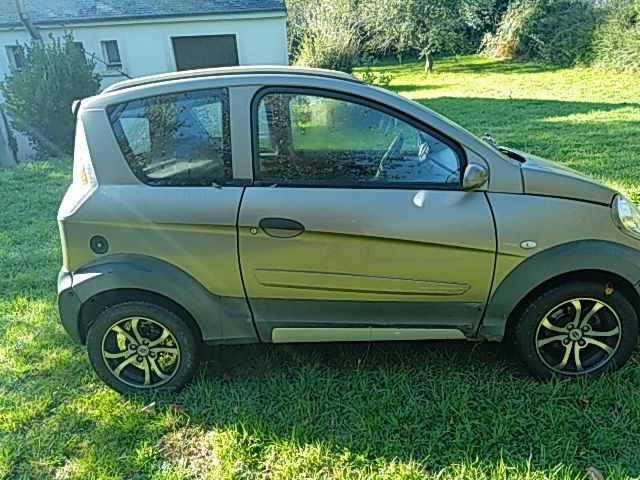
(281, 204)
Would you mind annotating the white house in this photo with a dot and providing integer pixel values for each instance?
(142, 37)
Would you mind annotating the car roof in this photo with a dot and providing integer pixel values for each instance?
(230, 72)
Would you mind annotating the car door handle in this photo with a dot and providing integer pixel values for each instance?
(281, 227)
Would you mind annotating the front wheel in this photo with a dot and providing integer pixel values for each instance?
(582, 328)
(140, 346)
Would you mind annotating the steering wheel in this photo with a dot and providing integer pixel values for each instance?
(394, 148)
(423, 149)
(453, 177)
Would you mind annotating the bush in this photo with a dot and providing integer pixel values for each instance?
(336, 33)
(331, 50)
(426, 27)
(368, 75)
(476, 18)
(38, 97)
(326, 34)
(504, 43)
(559, 32)
(617, 39)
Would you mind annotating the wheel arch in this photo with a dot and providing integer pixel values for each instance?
(597, 260)
(124, 277)
(92, 307)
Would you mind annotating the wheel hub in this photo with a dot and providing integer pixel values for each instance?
(575, 334)
(143, 350)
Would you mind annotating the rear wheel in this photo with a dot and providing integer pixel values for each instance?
(582, 328)
(139, 346)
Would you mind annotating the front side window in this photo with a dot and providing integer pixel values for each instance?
(322, 139)
(179, 139)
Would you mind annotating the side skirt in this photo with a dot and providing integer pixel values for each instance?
(367, 334)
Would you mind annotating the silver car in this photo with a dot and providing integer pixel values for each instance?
(278, 204)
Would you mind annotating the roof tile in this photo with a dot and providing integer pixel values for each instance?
(76, 11)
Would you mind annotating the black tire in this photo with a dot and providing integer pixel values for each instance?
(154, 360)
(548, 348)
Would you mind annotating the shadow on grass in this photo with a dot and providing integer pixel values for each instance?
(475, 65)
(488, 67)
(438, 403)
(400, 88)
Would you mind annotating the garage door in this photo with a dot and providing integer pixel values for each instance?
(205, 51)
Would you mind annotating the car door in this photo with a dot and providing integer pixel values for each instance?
(357, 222)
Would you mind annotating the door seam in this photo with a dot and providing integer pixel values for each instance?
(495, 263)
(244, 287)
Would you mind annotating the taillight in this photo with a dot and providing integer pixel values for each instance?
(83, 173)
(84, 180)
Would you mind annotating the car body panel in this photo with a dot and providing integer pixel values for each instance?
(236, 71)
(368, 334)
(113, 169)
(520, 279)
(550, 221)
(543, 177)
(176, 225)
(219, 318)
(367, 245)
(565, 241)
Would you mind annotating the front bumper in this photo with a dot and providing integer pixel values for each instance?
(69, 306)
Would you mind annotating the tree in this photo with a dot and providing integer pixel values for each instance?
(424, 27)
(324, 34)
(38, 97)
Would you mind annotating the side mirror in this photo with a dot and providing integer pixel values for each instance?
(474, 177)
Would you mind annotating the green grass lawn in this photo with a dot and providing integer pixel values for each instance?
(415, 410)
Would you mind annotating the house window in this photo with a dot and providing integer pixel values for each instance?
(15, 55)
(205, 51)
(79, 47)
(111, 54)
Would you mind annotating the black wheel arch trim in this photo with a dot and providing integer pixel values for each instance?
(598, 255)
(218, 318)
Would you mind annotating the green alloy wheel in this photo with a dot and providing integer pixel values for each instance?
(576, 329)
(138, 346)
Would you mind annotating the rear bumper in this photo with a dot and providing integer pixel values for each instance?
(69, 306)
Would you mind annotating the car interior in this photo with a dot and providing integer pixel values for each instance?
(360, 146)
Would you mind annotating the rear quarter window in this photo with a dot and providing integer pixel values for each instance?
(179, 139)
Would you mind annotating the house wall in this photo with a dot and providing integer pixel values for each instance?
(145, 45)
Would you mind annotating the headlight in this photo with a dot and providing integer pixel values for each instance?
(626, 216)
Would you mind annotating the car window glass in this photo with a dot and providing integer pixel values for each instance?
(265, 139)
(136, 131)
(315, 138)
(179, 139)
